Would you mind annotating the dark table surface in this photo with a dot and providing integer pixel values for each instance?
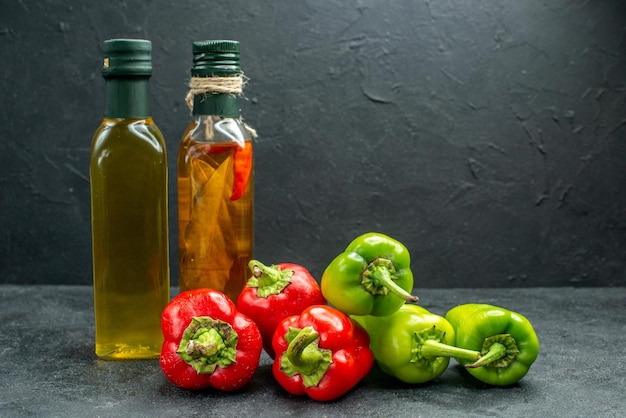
(48, 367)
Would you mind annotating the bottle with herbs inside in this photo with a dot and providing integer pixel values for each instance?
(215, 175)
(128, 175)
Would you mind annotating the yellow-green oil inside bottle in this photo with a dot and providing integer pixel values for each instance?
(128, 173)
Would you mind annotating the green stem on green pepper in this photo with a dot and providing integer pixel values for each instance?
(433, 349)
(379, 277)
(498, 351)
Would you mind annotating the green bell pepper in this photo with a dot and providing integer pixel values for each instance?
(371, 277)
(507, 342)
(413, 344)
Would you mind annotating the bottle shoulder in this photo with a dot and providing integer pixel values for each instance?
(122, 123)
(125, 133)
(216, 129)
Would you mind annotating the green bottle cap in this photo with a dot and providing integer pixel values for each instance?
(220, 58)
(124, 57)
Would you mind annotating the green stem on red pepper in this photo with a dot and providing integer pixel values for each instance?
(321, 353)
(202, 329)
(275, 292)
(208, 343)
(268, 280)
(305, 357)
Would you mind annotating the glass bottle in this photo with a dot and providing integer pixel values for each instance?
(215, 176)
(128, 173)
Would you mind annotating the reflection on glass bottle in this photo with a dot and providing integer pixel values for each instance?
(215, 176)
(128, 174)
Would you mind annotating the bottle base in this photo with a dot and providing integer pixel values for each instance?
(127, 352)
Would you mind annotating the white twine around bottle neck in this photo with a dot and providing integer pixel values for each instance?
(219, 85)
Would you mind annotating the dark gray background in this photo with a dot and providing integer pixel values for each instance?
(488, 136)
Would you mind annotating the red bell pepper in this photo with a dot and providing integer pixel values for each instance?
(208, 343)
(273, 293)
(321, 353)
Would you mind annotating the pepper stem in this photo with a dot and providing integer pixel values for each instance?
(268, 280)
(432, 349)
(304, 356)
(379, 278)
(207, 343)
(498, 351)
(427, 346)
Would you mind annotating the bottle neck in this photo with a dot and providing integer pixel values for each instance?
(127, 97)
(225, 105)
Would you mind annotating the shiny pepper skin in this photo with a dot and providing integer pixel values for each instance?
(275, 292)
(208, 343)
(371, 277)
(321, 353)
(506, 339)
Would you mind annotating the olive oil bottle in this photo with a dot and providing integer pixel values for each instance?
(215, 176)
(128, 174)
